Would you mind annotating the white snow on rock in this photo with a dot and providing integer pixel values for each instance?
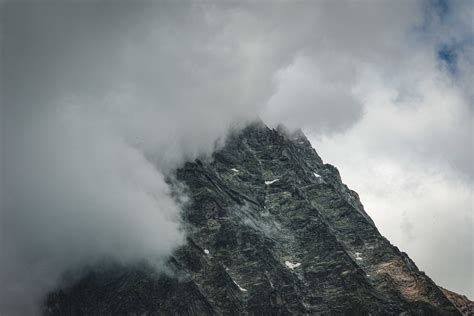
(357, 256)
(272, 181)
(316, 175)
(206, 251)
(235, 170)
(292, 265)
(240, 288)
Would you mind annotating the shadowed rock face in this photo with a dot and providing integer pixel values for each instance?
(271, 230)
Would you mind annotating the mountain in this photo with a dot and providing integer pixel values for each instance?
(271, 230)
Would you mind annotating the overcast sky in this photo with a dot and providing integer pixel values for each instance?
(100, 101)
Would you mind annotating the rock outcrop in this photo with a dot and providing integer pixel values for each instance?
(462, 303)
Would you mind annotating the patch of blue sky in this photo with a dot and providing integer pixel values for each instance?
(448, 57)
(441, 28)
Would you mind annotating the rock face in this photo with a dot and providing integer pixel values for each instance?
(272, 230)
(462, 303)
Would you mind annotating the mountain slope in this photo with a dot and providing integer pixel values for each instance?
(272, 230)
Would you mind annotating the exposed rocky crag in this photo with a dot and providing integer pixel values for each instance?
(462, 303)
(272, 230)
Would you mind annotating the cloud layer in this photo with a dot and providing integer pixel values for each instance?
(390, 104)
(102, 101)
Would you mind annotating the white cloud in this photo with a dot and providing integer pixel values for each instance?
(380, 104)
(410, 159)
(101, 101)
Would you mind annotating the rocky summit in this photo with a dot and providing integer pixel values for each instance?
(271, 230)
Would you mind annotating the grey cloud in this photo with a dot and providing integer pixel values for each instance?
(312, 98)
(410, 154)
(101, 101)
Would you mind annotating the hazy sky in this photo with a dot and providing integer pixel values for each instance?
(101, 100)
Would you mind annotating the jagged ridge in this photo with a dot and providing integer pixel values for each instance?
(272, 230)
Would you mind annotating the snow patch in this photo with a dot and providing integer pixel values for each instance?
(240, 288)
(206, 251)
(272, 181)
(292, 265)
(316, 175)
(235, 170)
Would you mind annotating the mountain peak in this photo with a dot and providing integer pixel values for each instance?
(271, 230)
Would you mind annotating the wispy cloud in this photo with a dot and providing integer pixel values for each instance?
(101, 101)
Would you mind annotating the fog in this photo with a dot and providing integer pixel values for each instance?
(102, 101)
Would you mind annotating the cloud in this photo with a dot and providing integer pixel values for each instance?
(385, 95)
(410, 154)
(322, 101)
(102, 101)
(77, 194)
(410, 159)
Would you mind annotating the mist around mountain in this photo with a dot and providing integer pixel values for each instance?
(270, 230)
(102, 101)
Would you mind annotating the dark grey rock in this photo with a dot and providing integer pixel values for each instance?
(284, 235)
